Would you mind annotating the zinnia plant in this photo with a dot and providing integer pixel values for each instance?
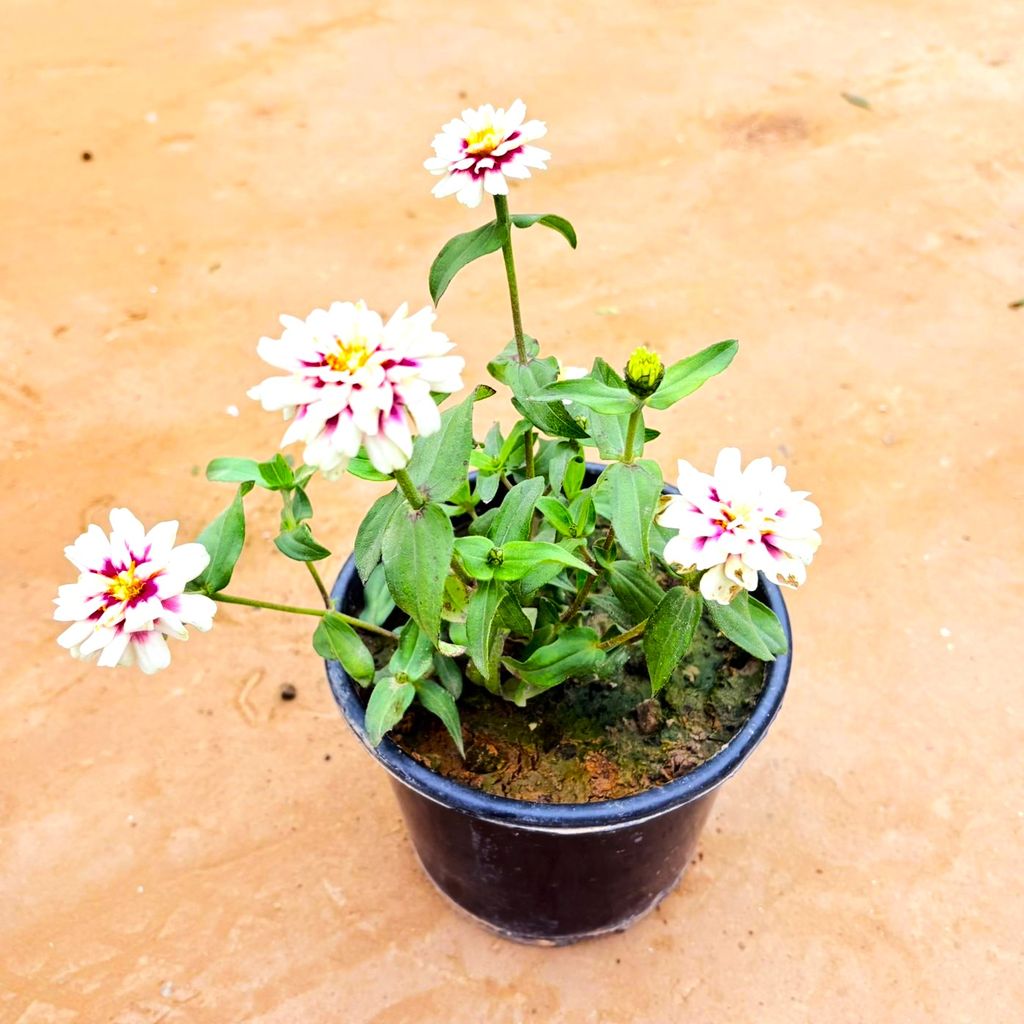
(499, 562)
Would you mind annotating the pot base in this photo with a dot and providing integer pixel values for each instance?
(526, 939)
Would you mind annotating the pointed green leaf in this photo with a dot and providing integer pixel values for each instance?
(417, 552)
(768, 625)
(627, 495)
(298, 544)
(223, 540)
(414, 656)
(684, 377)
(516, 513)
(635, 590)
(277, 474)
(485, 636)
(548, 220)
(335, 640)
(574, 654)
(669, 633)
(370, 535)
(520, 556)
(461, 250)
(438, 701)
(594, 394)
(440, 462)
(557, 515)
(737, 623)
(234, 471)
(363, 468)
(389, 700)
(473, 552)
(449, 673)
(378, 603)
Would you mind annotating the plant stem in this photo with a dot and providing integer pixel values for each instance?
(319, 584)
(501, 210)
(636, 419)
(581, 595)
(624, 638)
(409, 489)
(462, 574)
(252, 602)
(503, 217)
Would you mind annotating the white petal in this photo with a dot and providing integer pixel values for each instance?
(76, 633)
(715, 586)
(196, 610)
(187, 561)
(151, 651)
(495, 183)
(90, 551)
(471, 193)
(160, 540)
(112, 654)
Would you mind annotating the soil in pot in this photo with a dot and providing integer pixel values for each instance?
(598, 739)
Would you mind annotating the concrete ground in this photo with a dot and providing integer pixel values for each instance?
(188, 847)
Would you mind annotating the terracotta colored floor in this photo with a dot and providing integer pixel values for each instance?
(190, 848)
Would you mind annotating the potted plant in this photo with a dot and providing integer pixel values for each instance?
(557, 661)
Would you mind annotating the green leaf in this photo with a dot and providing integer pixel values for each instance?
(609, 432)
(557, 515)
(594, 394)
(440, 462)
(417, 550)
(669, 633)
(684, 377)
(552, 459)
(516, 513)
(627, 495)
(363, 468)
(768, 625)
(635, 590)
(389, 700)
(438, 701)
(414, 656)
(512, 616)
(526, 381)
(461, 250)
(223, 540)
(548, 220)
(573, 654)
(300, 505)
(485, 636)
(500, 366)
(584, 514)
(298, 544)
(335, 640)
(855, 100)
(234, 471)
(277, 475)
(378, 603)
(575, 474)
(473, 552)
(456, 598)
(304, 474)
(370, 535)
(449, 673)
(520, 556)
(754, 635)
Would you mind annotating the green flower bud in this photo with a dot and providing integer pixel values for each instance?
(644, 372)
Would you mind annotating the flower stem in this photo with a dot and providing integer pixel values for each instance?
(319, 584)
(624, 638)
(636, 420)
(503, 217)
(252, 602)
(409, 489)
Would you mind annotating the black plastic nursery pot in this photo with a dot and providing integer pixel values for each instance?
(553, 874)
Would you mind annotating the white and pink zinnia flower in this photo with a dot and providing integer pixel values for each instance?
(480, 150)
(740, 522)
(130, 594)
(355, 382)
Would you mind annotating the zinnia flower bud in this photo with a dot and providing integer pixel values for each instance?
(644, 372)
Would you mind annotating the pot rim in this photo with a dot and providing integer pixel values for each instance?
(598, 816)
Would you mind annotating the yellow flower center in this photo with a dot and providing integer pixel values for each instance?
(483, 140)
(351, 355)
(125, 586)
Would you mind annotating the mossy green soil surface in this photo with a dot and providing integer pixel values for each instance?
(598, 739)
